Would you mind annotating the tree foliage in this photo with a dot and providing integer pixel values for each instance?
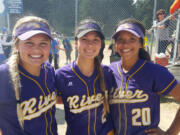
(61, 13)
(144, 9)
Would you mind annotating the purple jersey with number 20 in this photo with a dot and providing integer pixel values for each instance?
(83, 100)
(135, 104)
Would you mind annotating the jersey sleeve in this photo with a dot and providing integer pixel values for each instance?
(164, 81)
(58, 82)
(109, 78)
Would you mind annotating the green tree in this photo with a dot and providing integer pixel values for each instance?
(39, 8)
(107, 12)
(61, 17)
(144, 10)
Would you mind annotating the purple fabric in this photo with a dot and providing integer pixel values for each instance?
(133, 28)
(70, 86)
(32, 26)
(84, 29)
(37, 94)
(142, 83)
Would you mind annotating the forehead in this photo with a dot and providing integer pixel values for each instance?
(92, 33)
(40, 37)
(125, 33)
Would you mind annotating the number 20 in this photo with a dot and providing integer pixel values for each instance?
(145, 115)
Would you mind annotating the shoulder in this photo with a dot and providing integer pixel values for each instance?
(4, 74)
(108, 72)
(4, 71)
(4, 68)
(48, 68)
(48, 65)
(155, 67)
(64, 70)
(113, 65)
(106, 68)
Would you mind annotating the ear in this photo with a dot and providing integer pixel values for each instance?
(76, 44)
(141, 46)
(115, 48)
(17, 47)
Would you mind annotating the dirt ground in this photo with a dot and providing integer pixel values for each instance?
(168, 106)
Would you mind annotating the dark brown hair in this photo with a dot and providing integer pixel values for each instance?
(143, 54)
(98, 66)
(160, 11)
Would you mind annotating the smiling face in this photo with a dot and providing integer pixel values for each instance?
(34, 51)
(161, 16)
(88, 46)
(128, 45)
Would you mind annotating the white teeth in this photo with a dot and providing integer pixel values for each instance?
(36, 56)
(89, 51)
(126, 50)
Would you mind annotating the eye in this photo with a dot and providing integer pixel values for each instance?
(120, 40)
(44, 43)
(132, 40)
(29, 43)
(97, 40)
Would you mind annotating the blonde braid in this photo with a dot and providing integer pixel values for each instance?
(13, 62)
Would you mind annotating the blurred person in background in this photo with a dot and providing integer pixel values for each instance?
(54, 51)
(68, 48)
(163, 31)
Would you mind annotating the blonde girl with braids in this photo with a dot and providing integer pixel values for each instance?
(84, 85)
(27, 95)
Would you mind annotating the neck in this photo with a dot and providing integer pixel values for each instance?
(86, 66)
(128, 64)
(35, 71)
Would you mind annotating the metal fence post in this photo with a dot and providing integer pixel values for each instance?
(176, 39)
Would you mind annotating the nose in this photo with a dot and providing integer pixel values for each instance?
(36, 48)
(89, 42)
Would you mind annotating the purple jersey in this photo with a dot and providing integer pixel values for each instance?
(38, 98)
(83, 100)
(135, 104)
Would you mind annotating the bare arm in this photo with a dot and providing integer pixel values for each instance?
(58, 48)
(59, 100)
(174, 129)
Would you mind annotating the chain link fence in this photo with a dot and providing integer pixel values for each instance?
(109, 13)
(158, 43)
(164, 41)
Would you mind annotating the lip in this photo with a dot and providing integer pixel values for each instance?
(36, 57)
(125, 51)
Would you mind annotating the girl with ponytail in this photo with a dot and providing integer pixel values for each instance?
(85, 83)
(27, 93)
(135, 103)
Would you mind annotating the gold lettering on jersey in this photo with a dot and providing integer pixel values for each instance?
(77, 106)
(28, 106)
(73, 101)
(33, 109)
(128, 96)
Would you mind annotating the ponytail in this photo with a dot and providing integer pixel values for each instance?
(143, 54)
(102, 85)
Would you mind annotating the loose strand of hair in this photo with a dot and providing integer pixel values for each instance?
(102, 86)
